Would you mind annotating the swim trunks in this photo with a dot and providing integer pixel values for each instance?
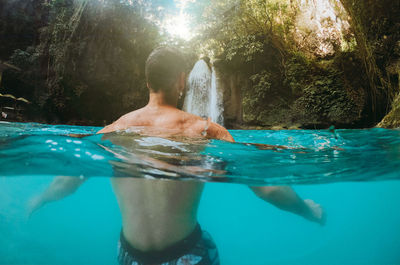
(197, 248)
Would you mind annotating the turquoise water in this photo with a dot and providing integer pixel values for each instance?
(302, 157)
(363, 216)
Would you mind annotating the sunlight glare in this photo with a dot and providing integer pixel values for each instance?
(178, 26)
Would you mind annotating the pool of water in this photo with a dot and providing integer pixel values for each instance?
(352, 173)
(295, 157)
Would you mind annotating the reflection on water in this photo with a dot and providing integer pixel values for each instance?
(258, 157)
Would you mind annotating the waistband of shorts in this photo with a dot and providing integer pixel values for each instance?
(160, 256)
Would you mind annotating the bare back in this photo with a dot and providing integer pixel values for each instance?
(158, 213)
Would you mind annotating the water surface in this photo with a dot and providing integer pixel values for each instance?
(294, 157)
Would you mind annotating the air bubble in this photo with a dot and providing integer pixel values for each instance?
(97, 157)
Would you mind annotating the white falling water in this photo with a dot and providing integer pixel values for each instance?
(203, 97)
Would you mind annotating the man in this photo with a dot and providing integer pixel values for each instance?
(159, 222)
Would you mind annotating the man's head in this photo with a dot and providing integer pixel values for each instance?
(165, 70)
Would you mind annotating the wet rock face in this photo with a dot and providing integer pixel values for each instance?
(85, 60)
(232, 85)
(347, 89)
(321, 27)
(323, 96)
(376, 27)
(20, 21)
(392, 120)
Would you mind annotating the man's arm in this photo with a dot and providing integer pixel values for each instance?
(109, 128)
(216, 131)
(59, 188)
(285, 198)
(62, 186)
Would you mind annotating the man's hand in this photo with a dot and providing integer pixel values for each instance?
(33, 205)
(59, 188)
(317, 213)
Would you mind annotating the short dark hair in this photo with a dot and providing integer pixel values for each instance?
(163, 68)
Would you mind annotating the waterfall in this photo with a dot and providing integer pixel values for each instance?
(203, 98)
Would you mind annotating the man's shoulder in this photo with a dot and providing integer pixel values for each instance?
(207, 128)
(193, 121)
(124, 122)
(129, 117)
(191, 118)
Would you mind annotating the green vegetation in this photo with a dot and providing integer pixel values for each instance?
(303, 70)
(376, 26)
(89, 65)
(291, 80)
(289, 63)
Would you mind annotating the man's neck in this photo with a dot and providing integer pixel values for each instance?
(159, 100)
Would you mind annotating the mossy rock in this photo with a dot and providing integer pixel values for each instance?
(392, 119)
